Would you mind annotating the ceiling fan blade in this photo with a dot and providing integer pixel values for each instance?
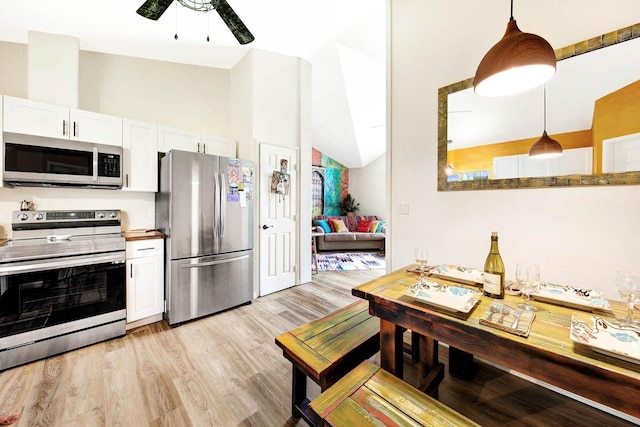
(237, 27)
(153, 9)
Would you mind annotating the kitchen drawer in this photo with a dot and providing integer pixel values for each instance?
(144, 248)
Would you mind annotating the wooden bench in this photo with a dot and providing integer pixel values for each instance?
(371, 396)
(328, 348)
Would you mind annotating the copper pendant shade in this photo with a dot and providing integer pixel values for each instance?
(545, 147)
(518, 62)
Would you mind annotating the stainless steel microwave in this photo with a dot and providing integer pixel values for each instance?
(38, 161)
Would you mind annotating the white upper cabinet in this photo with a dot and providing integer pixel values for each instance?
(179, 139)
(95, 127)
(39, 118)
(572, 161)
(140, 156)
(218, 146)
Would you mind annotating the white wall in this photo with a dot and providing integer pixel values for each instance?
(177, 95)
(53, 58)
(127, 87)
(579, 236)
(367, 185)
(270, 104)
(13, 69)
(138, 209)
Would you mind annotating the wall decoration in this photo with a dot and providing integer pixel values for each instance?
(336, 182)
(247, 179)
(317, 191)
(234, 181)
(280, 181)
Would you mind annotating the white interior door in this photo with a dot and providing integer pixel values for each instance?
(621, 154)
(278, 216)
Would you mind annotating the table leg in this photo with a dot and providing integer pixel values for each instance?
(461, 364)
(391, 347)
(430, 370)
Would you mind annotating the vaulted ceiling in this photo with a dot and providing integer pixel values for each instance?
(344, 40)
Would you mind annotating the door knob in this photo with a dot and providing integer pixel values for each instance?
(264, 227)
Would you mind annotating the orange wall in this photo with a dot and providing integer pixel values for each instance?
(475, 158)
(615, 115)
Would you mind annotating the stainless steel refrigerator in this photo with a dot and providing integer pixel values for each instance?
(204, 205)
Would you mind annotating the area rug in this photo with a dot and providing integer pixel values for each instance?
(350, 261)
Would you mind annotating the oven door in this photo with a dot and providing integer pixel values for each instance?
(52, 297)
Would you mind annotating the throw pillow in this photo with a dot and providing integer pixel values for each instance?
(363, 226)
(374, 226)
(380, 228)
(324, 224)
(339, 225)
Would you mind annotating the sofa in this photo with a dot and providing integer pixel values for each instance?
(354, 233)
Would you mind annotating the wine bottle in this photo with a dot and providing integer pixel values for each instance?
(493, 285)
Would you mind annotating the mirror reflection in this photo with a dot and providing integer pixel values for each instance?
(592, 109)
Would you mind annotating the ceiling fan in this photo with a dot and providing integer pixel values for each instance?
(153, 9)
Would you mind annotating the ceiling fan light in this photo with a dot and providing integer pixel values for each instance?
(518, 62)
(545, 148)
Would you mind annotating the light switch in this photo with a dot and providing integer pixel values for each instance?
(403, 208)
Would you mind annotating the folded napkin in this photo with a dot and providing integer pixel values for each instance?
(509, 318)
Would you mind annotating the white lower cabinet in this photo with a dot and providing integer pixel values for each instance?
(145, 279)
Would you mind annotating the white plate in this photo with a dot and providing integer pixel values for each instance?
(457, 273)
(453, 298)
(581, 299)
(607, 336)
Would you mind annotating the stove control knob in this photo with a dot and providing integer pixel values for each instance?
(38, 216)
(101, 214)
(23, 217)
(113, 215)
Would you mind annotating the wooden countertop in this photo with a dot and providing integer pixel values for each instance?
(3, 241)
(131, 235)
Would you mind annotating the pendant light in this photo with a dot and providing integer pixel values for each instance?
(518, 62)
(545, 147)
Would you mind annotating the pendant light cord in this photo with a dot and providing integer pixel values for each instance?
(544, 97)
(511, 18)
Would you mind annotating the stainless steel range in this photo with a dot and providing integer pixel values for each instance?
(62, 283)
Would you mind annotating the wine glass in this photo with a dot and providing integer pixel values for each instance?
(421, 253)
(628, 286)
(528, 276)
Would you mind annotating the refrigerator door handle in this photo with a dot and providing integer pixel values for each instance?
(223, 205)
(216, 207)
(210, 263)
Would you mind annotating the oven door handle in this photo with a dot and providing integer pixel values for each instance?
(34, 266)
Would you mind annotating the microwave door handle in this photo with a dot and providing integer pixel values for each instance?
(95, 163)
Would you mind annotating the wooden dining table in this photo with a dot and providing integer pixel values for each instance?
(548, 354)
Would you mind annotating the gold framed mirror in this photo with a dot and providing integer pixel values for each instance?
(513, 148)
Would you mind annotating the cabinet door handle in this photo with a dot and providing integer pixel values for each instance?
(146, 249)
(64, 128)
(74, 128)
(198, 147)
(126, 177)
(131, 270)
(204, 148)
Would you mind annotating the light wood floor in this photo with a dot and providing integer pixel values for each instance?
(225, 370)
